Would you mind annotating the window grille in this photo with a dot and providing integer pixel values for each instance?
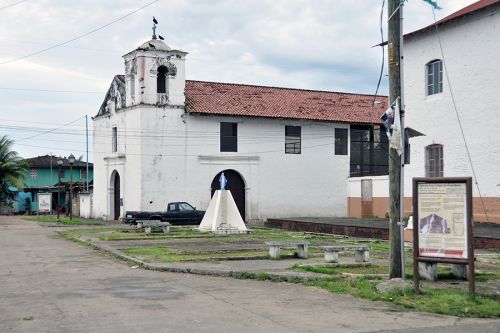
(434, 161)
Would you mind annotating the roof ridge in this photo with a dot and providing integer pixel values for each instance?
(472, 8)
(284, 88)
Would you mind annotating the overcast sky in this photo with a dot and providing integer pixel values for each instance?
(315, 44)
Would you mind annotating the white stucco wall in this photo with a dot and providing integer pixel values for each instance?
(471, 49)
(181, 162)
(380, 186)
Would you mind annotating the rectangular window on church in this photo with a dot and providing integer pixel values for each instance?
(114, 143)
(341, 141)
(228, 137)
(292, 139)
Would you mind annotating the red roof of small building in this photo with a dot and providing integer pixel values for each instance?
(459, 13)
(231, 99)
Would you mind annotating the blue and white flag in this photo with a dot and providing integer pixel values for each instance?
(433, 4)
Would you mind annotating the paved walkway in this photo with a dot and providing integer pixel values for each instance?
(48, 284)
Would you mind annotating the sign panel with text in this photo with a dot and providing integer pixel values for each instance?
(44, 202)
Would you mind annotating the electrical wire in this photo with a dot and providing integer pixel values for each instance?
(51, 90)
(383, 56)
(79, 36)
(13, 4)
(51, 130)
(458, 115)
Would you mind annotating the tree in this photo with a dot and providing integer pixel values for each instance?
(12, 170)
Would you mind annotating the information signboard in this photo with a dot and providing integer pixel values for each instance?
(44, 202)
(442, 230)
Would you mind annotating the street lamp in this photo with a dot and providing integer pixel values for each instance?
(71, 161)
(60, 162)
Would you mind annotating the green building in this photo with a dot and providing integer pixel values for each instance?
(44, 175)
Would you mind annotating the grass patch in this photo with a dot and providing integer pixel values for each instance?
(174, 233)
(338, 270)
(76, 233)
(165, 255)
(447, 302)
(64, 220)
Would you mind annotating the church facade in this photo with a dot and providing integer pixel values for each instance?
(160, 138)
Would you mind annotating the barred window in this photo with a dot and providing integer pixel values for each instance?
(434, 77)
(434, 160)
(369, 153)
(292, 139)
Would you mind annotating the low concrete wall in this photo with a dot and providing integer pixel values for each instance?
(85, 205)
(327, 228)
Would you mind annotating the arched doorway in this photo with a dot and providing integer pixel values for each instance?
(115, 195)
(236, 185)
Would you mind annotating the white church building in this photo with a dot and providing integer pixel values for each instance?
(160, 138)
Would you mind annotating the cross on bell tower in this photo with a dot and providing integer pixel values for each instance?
(155, 22)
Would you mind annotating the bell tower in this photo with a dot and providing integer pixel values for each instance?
(155, 74)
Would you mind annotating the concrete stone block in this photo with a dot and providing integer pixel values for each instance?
(361, 256)
(459, 270)
(274, 252)
(302, 251)
(147, 230)
(427, 271)
(331, 256)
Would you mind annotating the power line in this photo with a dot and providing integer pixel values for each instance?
(187, 155)
(50, 90)
(13, 4)
(51, 130)
(79, 36)
(383, 55)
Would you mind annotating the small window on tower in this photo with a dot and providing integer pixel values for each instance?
(161, 80)
(114, 142)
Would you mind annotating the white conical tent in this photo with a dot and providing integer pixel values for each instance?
(222, 214)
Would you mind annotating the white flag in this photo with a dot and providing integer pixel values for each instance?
(396, 139)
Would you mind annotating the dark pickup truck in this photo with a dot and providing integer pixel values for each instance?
(177, 213)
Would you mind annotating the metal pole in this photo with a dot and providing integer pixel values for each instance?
(394, 39)
(87, 143)
(58, 193)
(403, 136)
(71, 193)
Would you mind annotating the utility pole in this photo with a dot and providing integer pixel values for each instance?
(396, 161)
(87, 144)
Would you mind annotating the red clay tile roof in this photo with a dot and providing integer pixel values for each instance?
(459, 13)
(231, 99)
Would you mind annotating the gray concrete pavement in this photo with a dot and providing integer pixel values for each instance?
(49, 284)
